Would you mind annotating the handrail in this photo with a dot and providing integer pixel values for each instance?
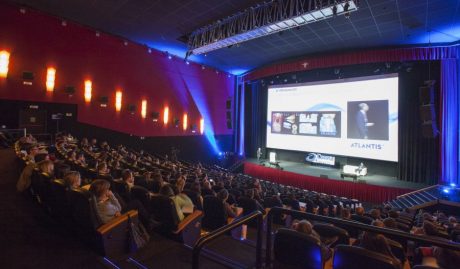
(420, 190)
(223, 230)
(23, 130)
(351, 224)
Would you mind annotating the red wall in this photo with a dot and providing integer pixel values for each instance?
(36, 41)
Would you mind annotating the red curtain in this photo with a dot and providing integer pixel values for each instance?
(356, 57)
(362, 192)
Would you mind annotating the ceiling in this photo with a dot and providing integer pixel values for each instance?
(159, 24)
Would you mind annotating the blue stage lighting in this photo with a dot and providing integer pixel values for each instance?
(446, 190)
(453, 185)
(220, 153)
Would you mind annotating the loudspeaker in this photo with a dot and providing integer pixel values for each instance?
(132, 108)
(155, 116)
(427, 113)
(229, 119)
(27, 75)
(70, 90)
(430, 129)
(228, 104)
(426, 95)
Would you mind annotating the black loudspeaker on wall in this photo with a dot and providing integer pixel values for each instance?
(428, 110)
(228, 105)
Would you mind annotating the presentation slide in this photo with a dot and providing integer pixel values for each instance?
(355, 117)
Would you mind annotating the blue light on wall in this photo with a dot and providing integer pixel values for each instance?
(241, 126)
(450, 122)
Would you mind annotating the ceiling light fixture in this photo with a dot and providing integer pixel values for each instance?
(265, 19)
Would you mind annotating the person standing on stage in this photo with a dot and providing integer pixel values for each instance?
(259, 154)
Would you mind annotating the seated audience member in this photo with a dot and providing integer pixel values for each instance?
(194, 194)
(157, 182)
(229, 210)
(305, 227)
(108, 206)
(47, 167)
(345, 214)
(207, 188)
(81, 159)
(102, 169)
(72, 179)
(359, 211)
(375, 214)
(31, 152)
(393, 214)
(390, 223)
(24, 180)
(444, 258)
(377, 243)
(167, 190)
(248, 203)
(72, 156)
(128, 178)
(181, 200)
(145, 180)
(292, 202)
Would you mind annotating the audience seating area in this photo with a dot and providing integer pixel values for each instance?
(184, 201)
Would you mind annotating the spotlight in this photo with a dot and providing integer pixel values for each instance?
(220, 153)
(187, 62)
(445, 190)
(453, 185)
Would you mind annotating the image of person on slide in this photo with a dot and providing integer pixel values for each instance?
(362, 122)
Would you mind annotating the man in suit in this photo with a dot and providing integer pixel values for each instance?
(362, 122)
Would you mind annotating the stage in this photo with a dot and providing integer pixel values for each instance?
(370, 188)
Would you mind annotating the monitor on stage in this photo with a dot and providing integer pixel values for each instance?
(356, 117)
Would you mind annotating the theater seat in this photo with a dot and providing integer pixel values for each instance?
(329, 231)
(214, 213)
(59, 203)
(142, 195)
(110, 239)
(164, 212)
(346, 257)
(362, 219)
(296, 250)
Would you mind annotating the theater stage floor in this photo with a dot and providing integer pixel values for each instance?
(333, 173)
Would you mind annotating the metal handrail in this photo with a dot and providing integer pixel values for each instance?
(420, 190)
(348, 224)
(22, 130)
(223, 230)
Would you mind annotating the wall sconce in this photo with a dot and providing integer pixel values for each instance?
(201, 126)
(165, 115)
(88, 90)
(50, 79)
(4, 62)
(118, 96)
(185, 121)
(144, 109)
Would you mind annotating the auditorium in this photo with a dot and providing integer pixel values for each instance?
(249, 134)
